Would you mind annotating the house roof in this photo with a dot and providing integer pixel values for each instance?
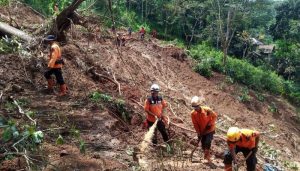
(266, 48)
(256, 42)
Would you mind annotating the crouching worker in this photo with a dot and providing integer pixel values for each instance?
(54, 66)
(154, 107)
(241, 140)
(204, 121)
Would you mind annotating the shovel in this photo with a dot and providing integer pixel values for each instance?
(191, 156)
(235, 167)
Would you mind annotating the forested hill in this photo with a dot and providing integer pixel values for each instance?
(262, 33)
(240, 57)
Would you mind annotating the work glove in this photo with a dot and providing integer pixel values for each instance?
(208, 126)
(254, 150)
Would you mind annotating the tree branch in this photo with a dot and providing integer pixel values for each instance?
(22, 111)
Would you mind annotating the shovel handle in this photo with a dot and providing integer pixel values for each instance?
(191, 156)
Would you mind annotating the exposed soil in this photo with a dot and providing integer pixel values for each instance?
(135, 66)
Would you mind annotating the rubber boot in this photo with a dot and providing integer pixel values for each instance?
(50, 84)
(63, 90)
(207, 155)
(228, 167)
(50, 87)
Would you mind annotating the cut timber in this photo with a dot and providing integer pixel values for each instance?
(7, 29)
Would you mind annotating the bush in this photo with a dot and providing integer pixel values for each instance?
(204, 69)
(243, 72)
(4, 2)
(245, 97)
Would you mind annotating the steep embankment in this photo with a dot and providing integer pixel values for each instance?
(110, 142)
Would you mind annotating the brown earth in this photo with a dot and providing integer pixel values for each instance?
(109, 140)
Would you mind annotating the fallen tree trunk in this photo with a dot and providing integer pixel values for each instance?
(64, 20)
(9, 30)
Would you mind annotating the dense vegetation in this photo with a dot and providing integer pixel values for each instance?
(214, 29)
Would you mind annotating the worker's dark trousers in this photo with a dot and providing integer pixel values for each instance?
(162, 129)
(251, 161)
(58, 75)
(206, 140)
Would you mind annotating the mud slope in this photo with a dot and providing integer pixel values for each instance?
(109, 140)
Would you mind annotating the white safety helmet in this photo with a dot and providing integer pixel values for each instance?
(155, 88)
(196, 101)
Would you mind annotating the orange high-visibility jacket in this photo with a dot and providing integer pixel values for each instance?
(55, 55)
(155, 106)
(202, 119)
(248, 139)
(143, 31)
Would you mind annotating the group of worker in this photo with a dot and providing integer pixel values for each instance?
(142, 33)
(203, 117)
(56, 61)
(204, 122)
(121, 38)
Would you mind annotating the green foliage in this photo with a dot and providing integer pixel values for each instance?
(75, 132)
(273, 108)
(121, 107)
(287, 60)
(60, 140)
(96, 97)
(268, 151)
(4, 2)
(8, 45)
(46, 7)
(287, 21)
(31, 113)
(245, 97)
(243, 72)
(26, 137)
(82, 146)
(9, 106)
(260, 96)
(115, 104)
(204, 68)
(291, 165)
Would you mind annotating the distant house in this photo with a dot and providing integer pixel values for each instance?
(261, 51)
(266, 49)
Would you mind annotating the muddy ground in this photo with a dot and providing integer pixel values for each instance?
(110, 140)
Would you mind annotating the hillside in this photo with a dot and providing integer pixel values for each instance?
(110, 129)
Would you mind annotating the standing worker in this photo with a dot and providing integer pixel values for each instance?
(241, 140)
(54, 66)
(142, 33)
(154, 108)
(154, 33)
(204, 121)
(129, 31)
(113, 27)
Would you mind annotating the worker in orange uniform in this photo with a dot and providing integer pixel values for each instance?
(54, 66)
(241, 140)
(155, 106)
(142, 33)
(204, 121)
